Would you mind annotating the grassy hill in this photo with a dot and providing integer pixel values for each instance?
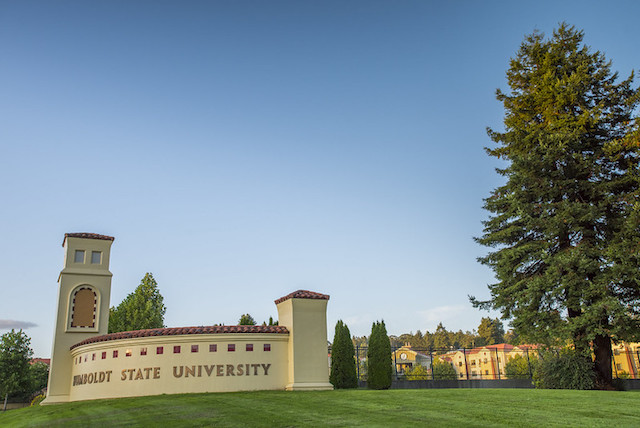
(443, 407)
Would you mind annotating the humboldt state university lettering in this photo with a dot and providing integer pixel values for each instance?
(95, 377)
(139, 374)
(178, 372)
(221, 370)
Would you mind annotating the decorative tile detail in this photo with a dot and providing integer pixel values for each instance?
(176, 331)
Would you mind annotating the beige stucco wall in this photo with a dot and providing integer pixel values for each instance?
(306, 320)
(172, 373)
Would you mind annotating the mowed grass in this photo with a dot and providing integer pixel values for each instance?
(397, 408)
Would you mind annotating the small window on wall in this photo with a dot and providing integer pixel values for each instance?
(79, 257)
(115, 354)
(128, 353)
(143, 351)
(96, 257)
(249, 347)
(194, 348)
(176, 349)
(213, 348)
(231, 347)
(159, 350)
(104, 355)
(93, 357)
(267, 347)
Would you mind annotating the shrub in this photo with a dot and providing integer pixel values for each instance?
(566, 369)
(443, 370)
(518, 367)
(418, 372)
(37, 399)
(623, 375)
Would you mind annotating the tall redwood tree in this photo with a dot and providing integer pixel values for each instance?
(564, 228)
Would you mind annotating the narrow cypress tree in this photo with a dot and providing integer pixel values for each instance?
(343, 363)
(379, 358)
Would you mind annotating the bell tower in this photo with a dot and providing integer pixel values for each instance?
(84, 289)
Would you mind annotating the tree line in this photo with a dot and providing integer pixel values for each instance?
(490, 331)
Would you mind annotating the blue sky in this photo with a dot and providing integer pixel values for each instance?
(243, 150)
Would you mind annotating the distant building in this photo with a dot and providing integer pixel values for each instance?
(406, 359)
(485, 362)
(626, 360)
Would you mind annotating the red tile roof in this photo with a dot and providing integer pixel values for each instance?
(303, 294)
(47, 361)
(175, 331)
(500, 346)
(86, 236)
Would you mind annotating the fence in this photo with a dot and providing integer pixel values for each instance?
(496, 362)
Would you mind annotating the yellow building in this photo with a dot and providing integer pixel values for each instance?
(626, 360)
(485, 362)
(406, 359)
(87, 363)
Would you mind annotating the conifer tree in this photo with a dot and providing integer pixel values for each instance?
(379, 358)
(343, 362)
(246, 319)
(564, 229)
(142, 309)
(490, 332)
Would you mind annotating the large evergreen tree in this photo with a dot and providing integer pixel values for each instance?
(142, 309)
(564, 228)
(379, 358)
(343, 362)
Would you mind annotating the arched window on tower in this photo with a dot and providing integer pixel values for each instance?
(84, 307)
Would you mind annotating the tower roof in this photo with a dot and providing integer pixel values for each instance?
(86, 235)
(303, 294)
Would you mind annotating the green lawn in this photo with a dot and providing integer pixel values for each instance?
(435, 407)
